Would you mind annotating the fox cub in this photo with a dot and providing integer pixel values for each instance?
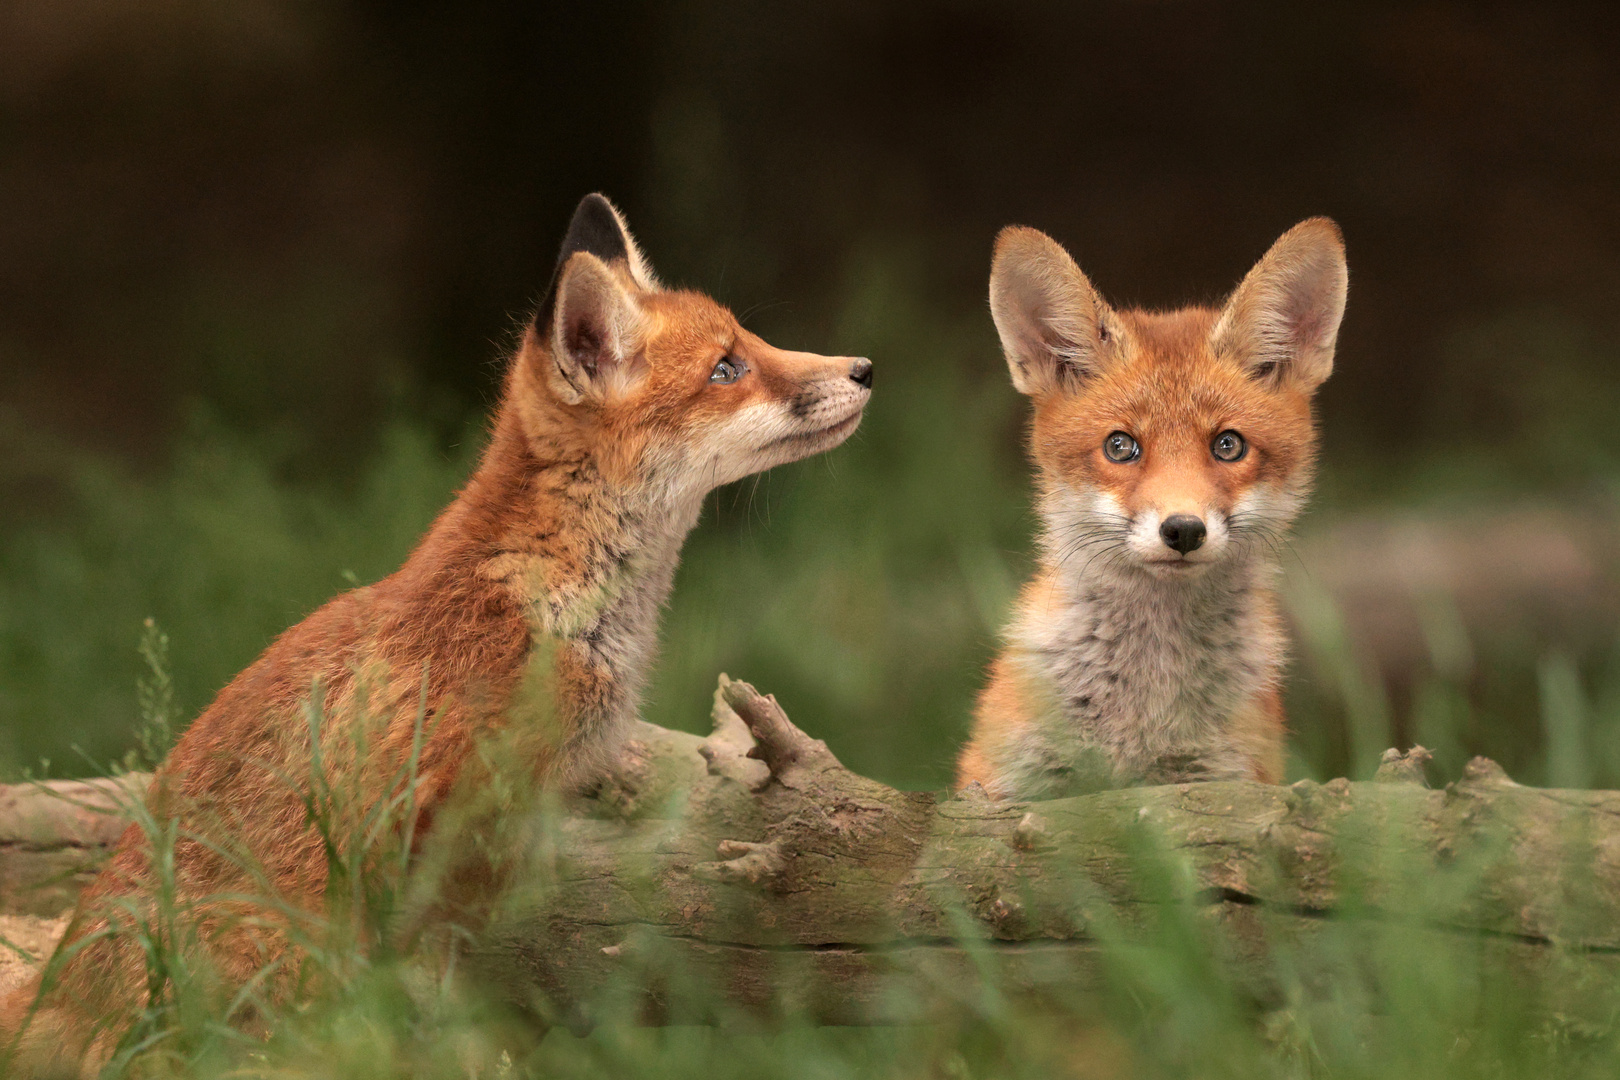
(1173, 450)
(528, 613)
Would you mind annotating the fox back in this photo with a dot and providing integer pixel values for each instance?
(1173, 451)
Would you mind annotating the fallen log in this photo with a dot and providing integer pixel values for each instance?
(750, 874)
(54, 835)
(753, 862)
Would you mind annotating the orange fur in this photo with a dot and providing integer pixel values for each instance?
(1164, 662)
(556, 554)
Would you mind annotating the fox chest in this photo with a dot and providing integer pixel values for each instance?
(1147, 679)
(593, 638)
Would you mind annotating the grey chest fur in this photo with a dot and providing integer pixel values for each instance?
(1140, 678)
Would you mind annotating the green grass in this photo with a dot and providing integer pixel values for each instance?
(865, 588)
(219, 550)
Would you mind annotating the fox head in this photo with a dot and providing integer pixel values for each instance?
(664, 387)
(1170, 442)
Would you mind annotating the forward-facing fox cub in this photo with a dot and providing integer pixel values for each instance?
(1174, 449)
(527, 614)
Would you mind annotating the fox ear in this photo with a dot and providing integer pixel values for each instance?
(599, 228)
(590, 314)
(1282, 321)
(597, 331)
(1053, 323)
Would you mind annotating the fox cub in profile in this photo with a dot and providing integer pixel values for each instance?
(528, 613)
(1174, 449)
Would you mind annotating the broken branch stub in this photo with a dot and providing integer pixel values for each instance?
(814, 812)
(777, 741)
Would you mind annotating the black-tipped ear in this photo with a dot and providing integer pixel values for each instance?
(598, 229)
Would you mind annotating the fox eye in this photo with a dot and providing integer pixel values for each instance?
(1228, 446)
(728, 371)
(1121, 448)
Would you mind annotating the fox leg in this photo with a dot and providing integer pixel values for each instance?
(1260, 730)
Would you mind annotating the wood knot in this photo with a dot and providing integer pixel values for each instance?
(973, 793)
(1395, 767)
(1007, 915)
(743, 862)
(1483, 772)
(1028, 834)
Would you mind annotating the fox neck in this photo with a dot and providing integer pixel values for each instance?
(590, 561)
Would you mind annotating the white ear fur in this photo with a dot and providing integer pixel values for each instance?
(597, 331)
(1282, 321)
(1049, 316)
(641, 270)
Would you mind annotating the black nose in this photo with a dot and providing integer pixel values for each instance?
(861, 372)
(1183, 532)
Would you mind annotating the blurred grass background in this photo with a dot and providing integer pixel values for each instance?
(259, 262)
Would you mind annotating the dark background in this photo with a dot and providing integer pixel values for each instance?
(271, 233)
